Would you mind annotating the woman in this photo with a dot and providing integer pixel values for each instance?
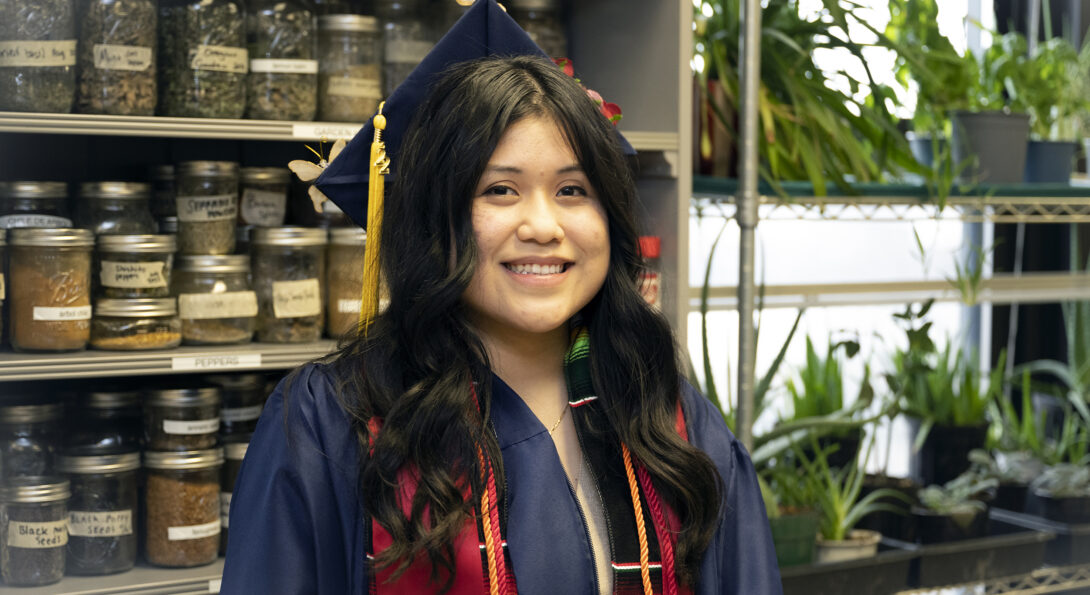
(493, 429)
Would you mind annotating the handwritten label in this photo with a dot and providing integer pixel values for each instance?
(349, 306)
(194, 531)
(191, 427)
(406, 51)
(220, 58)
(61, 314)
(38, 535)
(283, 66)
(354, 87)
(292, 299)
(207, 208)
(208, 306)
(236, 414)
(11, 221)
(326, 131)
(216, 362)
(225, 509)
(140, 275)
(121, 57)
(38, 53)
(99, 524)
(263, 208)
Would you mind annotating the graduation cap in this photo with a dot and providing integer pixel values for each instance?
(354, 181)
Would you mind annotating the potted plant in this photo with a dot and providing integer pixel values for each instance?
(1050, 91)
(955, 510)
(1062, 493)
(1013, 472)
(792, 515)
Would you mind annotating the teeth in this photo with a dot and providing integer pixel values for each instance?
(536, 269)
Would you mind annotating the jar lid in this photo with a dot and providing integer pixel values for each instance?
(168, 225)
(127, 190)
(277, 175)
(206, 263)
(112, 400)
(237, 381)
(535, 4)
(187, 459)
(136, 307)
(3, 236)
(34, 189)
(207, 168)
(141, 243)
(184, 397)
(348, 236)
(162, 173)
(289, 236)
(93, 462)
(348, 22)
(35, 488)
(24, 414)
(235, 451)
(52, 237)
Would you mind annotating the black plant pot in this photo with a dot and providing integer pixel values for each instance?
(932, 527)
(1011, 496)
(890, 524)
(945, 453)
(1055, 409)
(1073, 510)
(1049, 162)
(990, 146)
(923, 147)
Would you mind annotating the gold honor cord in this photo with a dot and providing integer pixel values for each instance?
(380, 166)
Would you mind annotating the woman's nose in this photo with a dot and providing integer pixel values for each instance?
(539, 219)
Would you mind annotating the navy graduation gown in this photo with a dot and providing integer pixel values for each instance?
(297, 522)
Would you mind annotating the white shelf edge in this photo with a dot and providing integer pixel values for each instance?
(141, 580)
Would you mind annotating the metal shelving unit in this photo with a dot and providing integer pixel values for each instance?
(142, 580)
(1042, 580)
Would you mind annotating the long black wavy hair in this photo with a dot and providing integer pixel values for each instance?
(414, 368)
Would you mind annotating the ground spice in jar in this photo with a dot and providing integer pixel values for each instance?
(135, 324)
(344, 280)
(51, 289)
(215, 301)
(101, 535)
(182, 505)
(33, 530)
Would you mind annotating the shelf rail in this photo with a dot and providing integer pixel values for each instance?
(1043, 580)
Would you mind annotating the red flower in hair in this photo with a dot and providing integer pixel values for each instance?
(611, 111)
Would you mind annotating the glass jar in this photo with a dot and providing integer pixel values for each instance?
(101, 537)
(264, 198)
(135, 266)
(542, 22)
(182, 507)
(283, 80)
(406, 40)
(119, 208)
(350, 75)
(3, 288)
(163, 192)
(181, 419)
(29, 435)
(169, 226)
(234, 450)
(243, 399)
(117, 57)
(34, 204)
(136, 324)
(38, 43)
(207, 204)
(215, 301)
(33, 530)
(106, 420)
(344, 279)
(202, 58)
(51, 289)
(289, 267)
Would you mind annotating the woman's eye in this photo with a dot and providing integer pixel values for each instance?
(500, 191)
(572, 191)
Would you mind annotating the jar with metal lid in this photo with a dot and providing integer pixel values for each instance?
(117, 57)
(243, 399)
(115, 208)
(542, 21)
(207, 204)
(34, 204)
(234, 449)
(289, 267)
(350, 61)
(182, 507)
(406, 40)
(101, 511)
(51, 289)
(181, 419)
(29, 437)
(135, 266)
(202, 59)
(215, 300)
(106, 420)
(344, 279)
(163, 192)
(168, 225)
(283, 80)
(38, 42)
(33, 530)
(264, 198)
(136, 324)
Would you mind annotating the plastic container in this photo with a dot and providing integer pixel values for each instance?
(50, 273)
(118, 208)
(181, 419)
(283, 79)
(29, 439)
(651, 275)
(34, 204)
(888, 572)
(136, 324)
(263, 201)
(542, 21)
(350, 74)
(1071, 542)
(203, 58)
(106, 420)
(215, 300)
(243, 398)
(33, 530)
(207, 205)
(102, 510)
(289, 267)
(117, 57)
(406, 40)
(344, 279)
(135, 266)
(235, 451)
(163, 192)
(39, 44)
(182, 507)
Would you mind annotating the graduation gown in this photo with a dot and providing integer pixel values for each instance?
(297, 522)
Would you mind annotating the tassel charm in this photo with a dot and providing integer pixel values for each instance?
(376, 189)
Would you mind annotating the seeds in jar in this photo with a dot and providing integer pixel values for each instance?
(203, 59)
(37, 56)
(51, 296)
(33, 530)
(117, 58)
(183, 518)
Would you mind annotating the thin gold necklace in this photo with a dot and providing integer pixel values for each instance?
(559, 419)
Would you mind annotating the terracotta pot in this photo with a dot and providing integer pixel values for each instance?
(860, 543)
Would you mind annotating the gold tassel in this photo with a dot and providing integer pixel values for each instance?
(380, 166)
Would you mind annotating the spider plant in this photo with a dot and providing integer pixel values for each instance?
(818, 388)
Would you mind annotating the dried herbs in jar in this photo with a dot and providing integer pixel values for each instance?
(181, 419)
(203, 61)
(350, 78)
(283, 81)
(289, 268)
(135, 266)
(37, 55)
(101, 535)
(136, 324)
(117, 58)
(207, 204)
(33, 530)
(215, 300)
(182, 507)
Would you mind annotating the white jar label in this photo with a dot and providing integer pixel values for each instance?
(263, 208)
(194, 531)
(220, 58)
(349, 306)
(31, 220)
(99, 524)
(216, 362)
(241, 413)
(62, 314)
(2, 288)
(407, 52)
(122, 57)
(38, 53)
(207, 306)
(207, 208)
(225, 509)
(191, 427)
(354, 87)
(133, 275)
(292, 299)
(325, 132)
(38, 535)
(284, 66)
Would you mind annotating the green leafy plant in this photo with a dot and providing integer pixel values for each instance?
(1014, 432)
(818, 388)
(1064, 480)
(1019, 467)
(957, 496)
(1050, 90)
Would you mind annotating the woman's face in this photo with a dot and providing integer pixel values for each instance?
(541, 233)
